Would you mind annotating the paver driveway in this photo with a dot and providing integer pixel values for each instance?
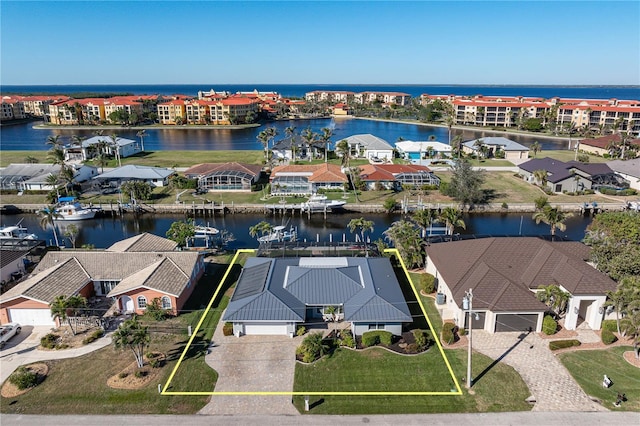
(252, 364)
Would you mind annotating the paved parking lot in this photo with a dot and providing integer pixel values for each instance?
(252, 364)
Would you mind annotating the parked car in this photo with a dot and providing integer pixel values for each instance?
(7, 331)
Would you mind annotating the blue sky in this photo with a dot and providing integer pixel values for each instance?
(365, 42)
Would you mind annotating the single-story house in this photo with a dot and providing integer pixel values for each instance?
(571, 176)
(25, 177)
(306, 179)
(394, 176)
(628, 170)
(224, 176)
(284, 148)
(154, 176)
(421, 152)
(602, 146)
(275, 295)
(132, 271)
(370, 147)
(89, 148)
(504, 275)
(513, 151)
(12, 262)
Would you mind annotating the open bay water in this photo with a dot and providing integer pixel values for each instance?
(102, 232)
(25, 137)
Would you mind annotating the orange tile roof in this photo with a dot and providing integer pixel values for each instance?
(319, 172)
(237, 101)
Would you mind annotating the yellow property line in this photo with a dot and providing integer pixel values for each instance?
(458, 390)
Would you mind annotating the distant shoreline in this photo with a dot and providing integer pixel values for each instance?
(151, 127)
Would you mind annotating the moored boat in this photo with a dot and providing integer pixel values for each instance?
(70, 209)
(320, 202)
(279, 234)
(16, 232)
(202, 230)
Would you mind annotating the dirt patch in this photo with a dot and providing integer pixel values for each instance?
(9, 390)
(67, 340)
(630, 357)
(127, 378)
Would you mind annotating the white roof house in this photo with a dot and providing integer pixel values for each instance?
(513, 151)
(421, 152)
(370, 147)
(126, 147)
(156, 176)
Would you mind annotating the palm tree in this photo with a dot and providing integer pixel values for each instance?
(479, 145)
(406, 238)
(56, 155)
(53, 180)
(290, 133)
(116, 147)
(452, 217)
(141, 134)
(457, 145)
(424, 218)
(67, 175)
(262, 228)
(631, 327)
(263, 137)
(326, 139)
(552, 216)
(64, 308)
(343, 151)
(535, 147)
(54, 140)
(132, 335)
(541, 177)
(363, 226)
(309, 138)
(48, 217)
(554, 297)
(541, 202)
(101, 160)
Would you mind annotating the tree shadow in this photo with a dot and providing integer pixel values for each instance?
(521, 338)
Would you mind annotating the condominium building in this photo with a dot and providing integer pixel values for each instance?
(331, 96)
(77, 111)
(130, 104)
(12, 109)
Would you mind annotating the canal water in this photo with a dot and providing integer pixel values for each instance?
(102, 232)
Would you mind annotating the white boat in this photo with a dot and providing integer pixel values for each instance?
(320, 203)
(206, 231)
(70, 209)
(16, 232)
(279, 234)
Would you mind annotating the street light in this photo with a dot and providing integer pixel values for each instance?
(467, 305)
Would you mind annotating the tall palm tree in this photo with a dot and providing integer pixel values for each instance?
(479, 145)
(363, 226)
(424, 218)
(56, 155)
(552, 216)
(457, 145)
(263, 137)
(343, 151)
(309, 138)
(406, 238)
(53, 181)
(452, 218)
(141, 134)
(64, 307)
(67, 175)
(116, 147)
(54, 141)
(48, 216)
(535, 147)
(540, 176)
(262, 228)
(326, 139)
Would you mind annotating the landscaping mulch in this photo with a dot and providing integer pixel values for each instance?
(126, 379)
(9, 390)
(400, 344)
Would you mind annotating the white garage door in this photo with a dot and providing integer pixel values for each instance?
(266, 329)
(31, 316)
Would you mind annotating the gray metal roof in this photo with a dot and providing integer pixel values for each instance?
(367, 288)
(132, 171)
(369, 142)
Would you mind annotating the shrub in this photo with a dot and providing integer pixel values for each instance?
(561, 344)
(312, 347)
(610, 325)
(300, 331)
(24, 378)
(462, 331)
(390, 205)
(155, 362)
(608, 337)
(448, 333)
(140, 373)
(375, 337)
(505, 206)
(49, 341)
(346, 339)
(549, 325)
(420, 338)
(123, 375)
(155, 311)
(93, 336)
(227, 329)
(427, 283)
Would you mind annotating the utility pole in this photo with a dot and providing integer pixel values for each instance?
(467, 304)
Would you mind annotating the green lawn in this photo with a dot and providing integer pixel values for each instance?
(589, 367)
(78, 385)
(566, 155)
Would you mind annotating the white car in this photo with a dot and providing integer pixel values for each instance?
(7, 331)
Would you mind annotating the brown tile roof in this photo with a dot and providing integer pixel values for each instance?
(62, 279)
(163, 275)
(144, 242)
(318, 172)
(604, 141)
(503, 271)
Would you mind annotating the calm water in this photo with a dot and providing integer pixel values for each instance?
(103, 232)
(24, 137)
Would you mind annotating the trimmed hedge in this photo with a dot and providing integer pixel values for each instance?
(549, 325)
(449, 330)
(93, 336)
(375, 337)
(561, 344)
(610, 325)
(608, 337)
(427, 283)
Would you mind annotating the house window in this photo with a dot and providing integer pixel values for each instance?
(166, 302)
(376, 326)
(142, 302)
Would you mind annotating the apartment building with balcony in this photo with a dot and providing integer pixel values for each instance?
(77, 111)
(12, 109)
(331, 96)
(130, 104)
(389, 98)
(172, 112)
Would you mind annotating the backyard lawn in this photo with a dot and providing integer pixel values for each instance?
(589, 367)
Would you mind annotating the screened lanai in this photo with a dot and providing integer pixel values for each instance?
(418, 179)
(226, 180)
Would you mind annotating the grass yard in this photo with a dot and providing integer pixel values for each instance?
(589, 367)
(8, 157)
(566, 155)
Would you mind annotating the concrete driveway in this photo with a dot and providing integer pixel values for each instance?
(252, 364)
